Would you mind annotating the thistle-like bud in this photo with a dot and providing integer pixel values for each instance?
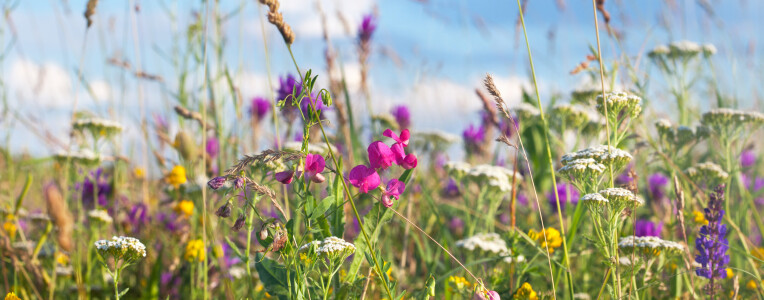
(239, 182)
(224, 211)
(239, 224)
(217, 182)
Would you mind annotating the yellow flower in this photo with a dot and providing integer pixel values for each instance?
(139, 173)
(177, 176)
(11, 296)
(195, 251)
(553, 239)
(458, 282)
(526, 292)
(10, 228)
(185, 208)
(699, 218)
(62, 259)
(758, 253)
(751, 285)
(730, 273)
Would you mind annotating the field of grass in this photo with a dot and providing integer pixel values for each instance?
(305, 191)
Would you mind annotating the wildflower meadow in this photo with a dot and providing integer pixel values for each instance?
(300, 149)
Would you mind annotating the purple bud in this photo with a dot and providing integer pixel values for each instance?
(239, 224)
(224, 211)
(217, 182)
(239, 182)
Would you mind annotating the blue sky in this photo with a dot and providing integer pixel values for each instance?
(445, 48)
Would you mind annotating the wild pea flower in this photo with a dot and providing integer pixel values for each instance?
(647, 228)
(260, 108)
(407, 161)
(380, 155)
(402, 116)
(212, 147)
(224, 211)
(473, 138)
(747, 158)
(394, 189)
(284, 177)
(712, 244)
(217, 182)
(364, 178)
(486, 295)
(566, 193)
(314, 165)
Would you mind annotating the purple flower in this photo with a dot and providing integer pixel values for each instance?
(318, 105)
(380, 155)
(368, 25)
(712, 244)
(259, 108)
(137, 216)
(451, 189)
(364, 178)
(394, 189)
(403, 139)
(224, 211)
(473, 138)
(289, 86)
(656, 184)
(284, 177)
(456, 225)
(95, 180)
(406, 161)
(212, 147)
(566, 192)
(747, 158)
(625, 178)
(169, 220)
(507, 129)
(647, 228)
(217, 182)
(402, 116)
(314, 165)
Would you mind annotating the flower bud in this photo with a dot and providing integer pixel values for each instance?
(217, 182)
(239, 224)
(224, 211)
(239, 182)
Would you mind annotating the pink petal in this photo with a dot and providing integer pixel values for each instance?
(398, 152)
(284, 177)
(409, 162)
(314, 163)
(364, 178)
(403, 139)
(386, 201)
(493, 295)
(380, 155)
(317, 178)
(395, 188)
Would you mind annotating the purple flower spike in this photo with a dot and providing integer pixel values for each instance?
(394, 189)
(747, 158)
(712, 244)
(217, 182)
(380, 155)
(402, 116)
(314, 165)
(368, 25)
(260, 108)
(364, 178)
(647, 228)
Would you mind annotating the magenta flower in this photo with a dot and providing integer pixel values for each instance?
(403, 139)
(747, 158)
(217, 182)
(402, 116)
(367, 28)
(647, 228)
(405, 161)
(212, 147)
(314, 165)
(394, 189)
(260, 108)
(380, 155)
(364, 178)
(284, 177)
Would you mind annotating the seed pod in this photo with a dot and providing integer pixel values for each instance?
(186, 146)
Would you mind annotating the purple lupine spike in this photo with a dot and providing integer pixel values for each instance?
(367, 28)
(712, 244)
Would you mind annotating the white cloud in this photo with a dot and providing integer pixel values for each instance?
(45, 84)
(101, 90)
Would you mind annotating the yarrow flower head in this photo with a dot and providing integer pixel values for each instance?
(594, 200)
(97, 127)
(332, 248)
(100, 215)
(684, 49)
(620, 197)
(571, 116)
(121, 248)
(83, 157)
(649, 246)
(707, 172)
(712, 243)
(726, 121)
(495, 177)
(606, 155)
(488, 242)
(619, 103)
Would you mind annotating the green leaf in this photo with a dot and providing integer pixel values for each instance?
(372, 224)
(123, 292)
(273, 276)
(154, 278)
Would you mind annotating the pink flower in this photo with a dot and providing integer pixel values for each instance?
(486, 295)
(406, 161)
(380, 155)
(394, 189)
(284, 177)
(314, 165)
(364, 178)
(403, 139)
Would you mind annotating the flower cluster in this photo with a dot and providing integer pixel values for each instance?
(605, 155)
(488, 242)
(681, 135)
(548, 238)
(83, 157)
(712, 244)
(619, 103)
(125, 248)
(331, 248)
(649, 246)
(195, 251)
(707, 172)
(525, 292)
(495, 177)
(620, 197)
(177, 176)
(725, 120)
(381, 157)
(100, 215)
(594, 200)
(97, 127)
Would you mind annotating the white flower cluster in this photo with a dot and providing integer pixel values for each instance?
(574, 115)
(659, 50)
(121, 247)
(618, 102)
(96, 123)
(725, 117)
(649, 245)
(525, 110)
(601, 154)
(680, 136)
(457, 168)
(488, 242)
(621, 196)
(100, 215)
(581, 169)
(331, 247)
(495, 176)
(684, 48)
(594, 199)
(707, 170)
(86, 157)
(317, 148)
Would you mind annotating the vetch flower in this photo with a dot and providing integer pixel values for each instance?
(403, 139)
(394, 189)
(314, 165)
(380, 155)
(712, 243)
(284, 177)
(217, 182)
(224, 211)
(239, 224)
(364, 178)
(406, 161)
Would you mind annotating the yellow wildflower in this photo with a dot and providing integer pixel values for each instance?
(758, 253)
(177, 176)
(553, 239)
(730, 273)
(185, 208)
(139, 173)
(11, 296)
(62, 259)
(751, 285)
(526, 292)
(10, 228)
(699, 218)
(458, 282)
(195, 251)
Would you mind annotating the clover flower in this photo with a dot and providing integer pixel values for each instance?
(708, 172)
(488, 242)
(525, 292)
(619, 103)
(548, 238)
(121, 248)
(100, 215)
(712, 243)
(649, 246)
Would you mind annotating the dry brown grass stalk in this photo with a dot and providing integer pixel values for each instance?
(90, 10)
(61, 216)
(192, 115)
(277, 19)
(680, 216)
